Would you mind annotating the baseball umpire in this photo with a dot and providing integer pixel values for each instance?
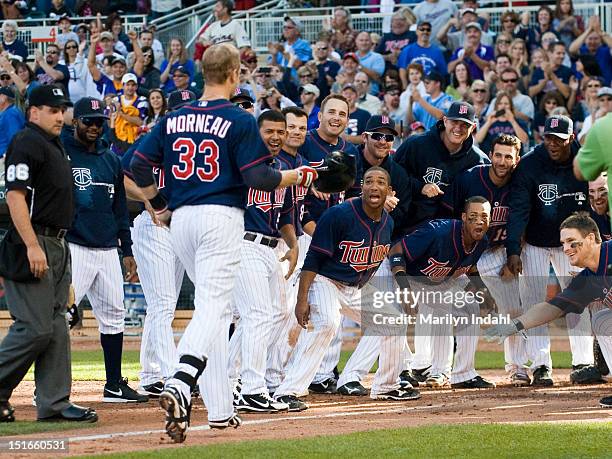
(583, 247)
(101, 219)
(37, 275)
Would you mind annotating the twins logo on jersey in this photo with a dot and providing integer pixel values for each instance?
(547, 193)
(262, 199)
(359, 256)
(82, 179)
(436, 269)
(432, 175)
(499, 214)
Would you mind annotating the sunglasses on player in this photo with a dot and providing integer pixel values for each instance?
(98, 122)
(378, 136)
(245, 104)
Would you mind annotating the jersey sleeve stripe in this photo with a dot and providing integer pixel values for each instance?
(145, 158)
(320, 249)
(406, 251)
(254, 163)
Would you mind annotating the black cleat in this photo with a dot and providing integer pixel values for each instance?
(178, 413)
(259, 403)
(600, 361)
(120, 392)
(352, 388)
(153, 390)
(325, 387)
(421, 374)
(585, 374)
(408, 380)
(477, 382)
(399, 394)
(542, 376)
(606, 402)
(295, 404)
(7, 412)
(233, 421)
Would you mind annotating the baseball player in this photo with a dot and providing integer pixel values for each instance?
(101, 219)
(160, 272)
(544, 193)
(493, 182)
(583, 247)
(206, 165)
(349, 243)
(243, 99)
(435, 158)
(437, 257)
(259, 291)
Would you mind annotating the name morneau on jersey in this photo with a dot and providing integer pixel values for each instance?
(204, 154)
(347, 246)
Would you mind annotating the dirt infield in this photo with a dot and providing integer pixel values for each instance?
(138, 427)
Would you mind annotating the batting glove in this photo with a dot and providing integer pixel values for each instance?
(498, 333)
(306, 175)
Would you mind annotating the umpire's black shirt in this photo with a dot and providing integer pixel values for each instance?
(543, 193)
(37, 162)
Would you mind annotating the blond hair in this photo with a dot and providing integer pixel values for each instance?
(218, 62)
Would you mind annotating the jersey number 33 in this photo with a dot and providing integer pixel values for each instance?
(187, 149)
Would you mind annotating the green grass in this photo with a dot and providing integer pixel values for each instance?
(31, 427)
(89, 365)
(468, 440)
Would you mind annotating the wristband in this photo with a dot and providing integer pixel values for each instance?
(397, 261)
(159, 203)
(518, 324)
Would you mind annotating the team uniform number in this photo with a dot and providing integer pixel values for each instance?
(187, 149)
(19, 172)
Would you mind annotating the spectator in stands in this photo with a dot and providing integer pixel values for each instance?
(415, 82)
(309, 94)
(307, 74)
(391, 107)
(77, 69)
(604, 106)
(366, 100)
(502, 120)
(371, 63)
(533, 34)
(416, 128)
(502, 43)
(436, 13)
(548, 103)
(297, 51)
(493, 75)
(422, 52)
(588, 103)
(522, 105)
(430, 108)
(346, 74)
(520, 59)
(22, 76)
(64, 26)
(5, 79)
(161, 8)
(11, 120)
(59, 8)
(509, 21)
(552, 75)
(11, 43)
(391, 78)
(177, 56)
(49, 70)
(478, 96)
(476, 55)
(114, 24)
(392, 43)
(566, 23)
(13, 9)
(249, 58)
(133, 108)
(149, 76)
(271, 99)
(147, 38)
(548, 40)
(461, 82)
(454, 39)
(225, 29)
(587, 66)
(118, 68)
(595, 42)
(182, 82)
(343, 35)
(157, 107)
(327, 69)
(358, 117)
(107, 45)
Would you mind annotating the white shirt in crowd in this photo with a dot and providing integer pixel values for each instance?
(229, 32)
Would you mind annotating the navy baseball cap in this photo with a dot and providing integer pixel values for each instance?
(434, 76)
(7, 91)
(178, 99)
(378, 122)
(461, 111)
(182, 69)
(49, 95)
(89, 107)
(241, 93)
(560, 126)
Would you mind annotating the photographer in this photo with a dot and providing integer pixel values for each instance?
(502, 121)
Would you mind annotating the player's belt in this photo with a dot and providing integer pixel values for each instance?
(58, 233)
(263, 240)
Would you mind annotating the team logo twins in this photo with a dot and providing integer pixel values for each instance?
(439, 269)
(262, 200)
(83, 180)
(362, 257)
(549, 193)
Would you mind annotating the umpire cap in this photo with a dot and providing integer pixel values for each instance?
(337, 173)
(49, 95)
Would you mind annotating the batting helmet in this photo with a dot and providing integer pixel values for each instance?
(337, 173)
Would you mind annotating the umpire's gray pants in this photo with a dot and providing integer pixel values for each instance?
(39, 334)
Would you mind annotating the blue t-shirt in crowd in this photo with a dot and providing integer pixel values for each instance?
(442, 102)
(484, 52)
(12, 121)
(430, 58)
(604, 59)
